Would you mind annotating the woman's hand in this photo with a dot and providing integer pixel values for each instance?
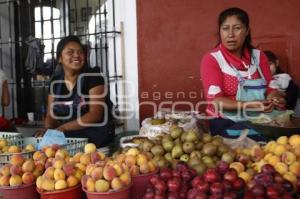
(39, 133)
(279, 102)
(263, 106)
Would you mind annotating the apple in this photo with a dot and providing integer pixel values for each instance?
(176, 173)
(216, 188)
(196, 180)
(165, 174)
(258, 190)
(268, 169)
(202, 187)
(211, 176)
(174, 184)
(230, 195)
(186, 176)
(238, 184)
(222, 167)
(227, 185)
(287, 186)
(272, 191)
(231, 175)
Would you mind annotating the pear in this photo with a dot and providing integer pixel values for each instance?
(184, 157)
(199, 145)
(196, 154)
(200, 168)
(217, 140)
(147, 145)
(206, 138)
(194, 161)
(157, 150)
(162, 163)
(178, 141)
(191, 136)
(207, 160)
(177, 151)
(188, 147)
(168, 157)
(166, 137)
(222, 148)
(183, 136)
(168, 145)
(209, 149)
(176, 132)
(228, 157)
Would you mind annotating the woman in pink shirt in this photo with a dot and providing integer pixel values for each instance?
(236, 76)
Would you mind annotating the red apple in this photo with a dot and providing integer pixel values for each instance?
(258, 190)
(222, 167)
(186, 176)
(227, 185)
(268, 169)
(230, 195)
(181, 166)
(239, 184)
(216, 188)
(176, 173)
(211, 176)
(287, 186)
(272, 191)
(231, 175)
(202, 186)
(165, 174)
(191, 194)
(196, 180)
(160, 186)
(174, 184)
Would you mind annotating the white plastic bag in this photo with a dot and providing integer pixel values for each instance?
(242, 141)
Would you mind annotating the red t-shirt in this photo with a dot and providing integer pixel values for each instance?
(217, 83)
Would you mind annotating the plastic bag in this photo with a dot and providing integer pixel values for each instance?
(51, 137)
(242, 141)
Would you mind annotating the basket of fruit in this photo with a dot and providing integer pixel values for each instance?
(66, 193)
(18, 178)
(12, 143)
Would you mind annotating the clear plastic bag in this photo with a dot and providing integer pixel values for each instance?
(242, 141)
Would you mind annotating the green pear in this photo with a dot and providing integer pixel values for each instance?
(194, 161)
(199, 145)
(209, 149)
(157, 150)
(188, 147)
(176, 132)
(147, 145)
(196, 154)
(217, 140)
(177, 151)
(206, 138)
(183, 136)
(191, 136)
(184, 157)
(168, 145)
(166, 137)
(168, 157)
(157, 121)
(200, 168)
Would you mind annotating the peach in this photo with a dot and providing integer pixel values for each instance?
(59, 174)
(132, 151)
(295, 168)
(89, 169)
(49, 173)
(84, 180)
(3, 143)
(58, 163)
(294, 140)
(48, 184)
(16, 170)
(77, 156)
(5, 169)
(95, 157)
(17, 159)
(125, 178)
(50, 152)
(281, 168)
(245, 176)
(282, 140)
(85, 159)
(5, 149)
(28, 166)
(257, 153)
(60, 184)
(141, 159)
(296, 151)
(37, 155)
(28, 178)
(116, 184)
(90, 148)
(288, 158)
(97, 173)
(37, 172)
(273, 160)
(134, 170)
(80, 166)
(279, 149)
(61, 154)
(118, 169)
(15, 180)
(101, 186)
(238, 166)
(4, 180)
(130, 160)
(69, 169)
(120, 158)
(49, 163)
(90, 185)
(109, 172)
(14, 149)
(29, 148)
(144, 168)
(101, 154)
(72, 181)
(78, 174)
(39, 182)
(290, 177)
(151, 166)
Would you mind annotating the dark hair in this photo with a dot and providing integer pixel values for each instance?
(243, 17)
(63, 42)
(271, 56)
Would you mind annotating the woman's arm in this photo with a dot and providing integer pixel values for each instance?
(5, 94)
(94, 115)
(50, 122)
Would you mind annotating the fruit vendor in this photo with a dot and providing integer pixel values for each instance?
(78, 104)
(236, 77)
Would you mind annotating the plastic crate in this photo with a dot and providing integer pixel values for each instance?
(73, 145)
(16, 139)
(13, 138)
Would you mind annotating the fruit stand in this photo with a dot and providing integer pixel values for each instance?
(176, 163)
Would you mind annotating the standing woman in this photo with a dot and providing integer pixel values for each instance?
(78, 104)
(236, 76)
(5, 98)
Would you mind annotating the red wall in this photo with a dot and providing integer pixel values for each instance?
(173, 35)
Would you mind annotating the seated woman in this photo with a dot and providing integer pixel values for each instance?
(282, 81)
(235, 77)
(78, 104)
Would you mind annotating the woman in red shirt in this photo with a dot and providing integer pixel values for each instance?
(236, 76)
